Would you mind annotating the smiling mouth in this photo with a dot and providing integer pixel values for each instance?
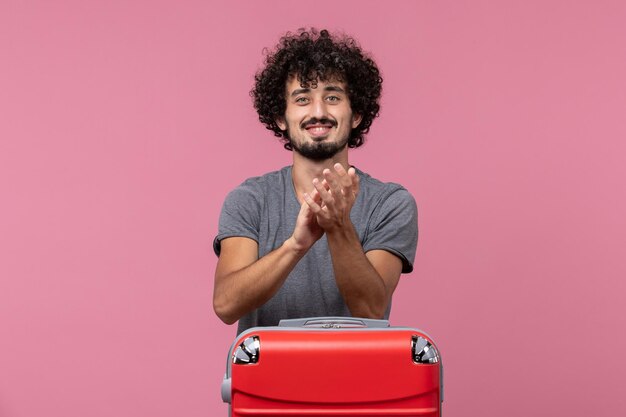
(319, 128)
(319, 131)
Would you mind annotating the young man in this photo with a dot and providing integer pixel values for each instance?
(319, 237)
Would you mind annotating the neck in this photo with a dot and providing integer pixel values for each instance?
(305, 170)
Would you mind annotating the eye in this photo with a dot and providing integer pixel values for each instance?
(333, 98)
(301, 100)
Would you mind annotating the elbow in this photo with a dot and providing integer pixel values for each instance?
(225, 316)
(222, 310)
(369, 315)
(228, 320)
(223, 305)
(369, 311)
(376, 314)
(367, 306)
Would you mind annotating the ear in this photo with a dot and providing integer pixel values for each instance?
(356, 120)
(280, 122)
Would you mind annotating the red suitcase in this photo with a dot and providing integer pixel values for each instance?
(333, 366)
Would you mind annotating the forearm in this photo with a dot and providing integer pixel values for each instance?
(359, 283)
(240, 291)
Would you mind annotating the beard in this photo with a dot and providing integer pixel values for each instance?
(318, 151)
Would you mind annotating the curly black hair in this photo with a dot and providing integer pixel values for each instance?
(313, 55)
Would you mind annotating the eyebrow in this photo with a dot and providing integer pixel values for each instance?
(308, 90)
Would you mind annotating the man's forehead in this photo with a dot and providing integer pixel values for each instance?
(293, 83)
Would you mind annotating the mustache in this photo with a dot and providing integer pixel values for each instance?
(315, 121)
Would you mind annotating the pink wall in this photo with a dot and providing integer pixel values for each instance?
(124, 123)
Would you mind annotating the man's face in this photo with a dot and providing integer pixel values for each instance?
(318, 121)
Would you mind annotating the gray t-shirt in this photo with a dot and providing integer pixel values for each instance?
(265, 209)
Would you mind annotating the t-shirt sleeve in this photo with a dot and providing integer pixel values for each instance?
(240, 216)
(394, 228)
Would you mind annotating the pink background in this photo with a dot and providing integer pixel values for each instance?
(123, 124)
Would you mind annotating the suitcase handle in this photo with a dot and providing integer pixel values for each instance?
(334, 323)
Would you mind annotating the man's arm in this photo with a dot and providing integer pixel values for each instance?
(365, 280)
(244, 282)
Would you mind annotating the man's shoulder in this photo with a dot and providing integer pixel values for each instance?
(375, 187)
(267, 179)
(263, 184)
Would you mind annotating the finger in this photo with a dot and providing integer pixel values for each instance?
(332, 180)
(325, 194)
(343, 176)
(315, 195)
(317, 198)
(326, 185)
(311, 204)
(354, 180)
(305, 210)
(344, 180)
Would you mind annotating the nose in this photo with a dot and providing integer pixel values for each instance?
(319, 110)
